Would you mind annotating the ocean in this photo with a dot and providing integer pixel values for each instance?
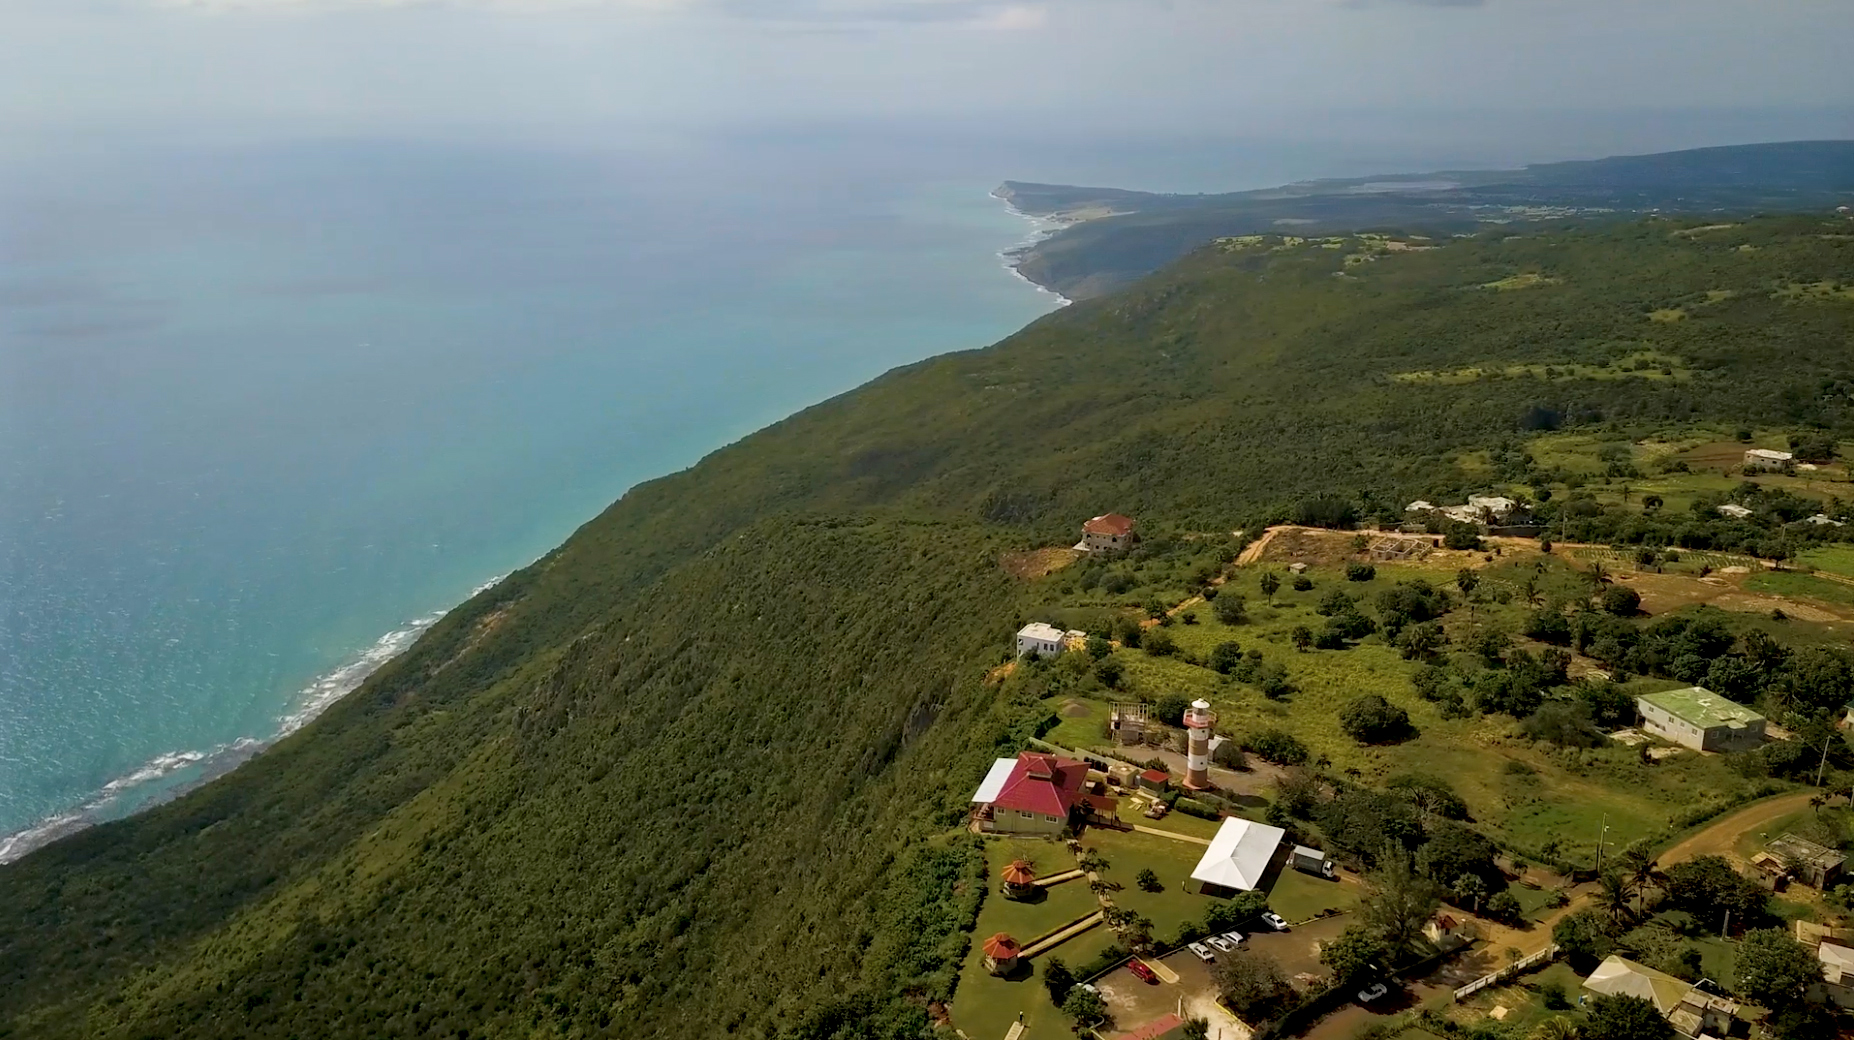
(266, 411)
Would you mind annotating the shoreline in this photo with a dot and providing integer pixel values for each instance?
(189, 769)
(1041, 228)
(185, 770)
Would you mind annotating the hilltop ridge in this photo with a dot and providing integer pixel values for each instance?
(1116, 235)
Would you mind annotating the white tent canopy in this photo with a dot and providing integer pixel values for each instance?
(994, 781)
(1239, 855)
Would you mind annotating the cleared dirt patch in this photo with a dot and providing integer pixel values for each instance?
(1032, 564)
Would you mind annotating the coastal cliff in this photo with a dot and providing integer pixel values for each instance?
(702, 770)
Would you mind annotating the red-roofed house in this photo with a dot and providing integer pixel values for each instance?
(1108, 533)
(1036, 795)
(1155, 779)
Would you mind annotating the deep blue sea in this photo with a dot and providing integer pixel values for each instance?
(266, 410)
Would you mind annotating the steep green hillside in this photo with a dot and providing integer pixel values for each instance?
(693, 774)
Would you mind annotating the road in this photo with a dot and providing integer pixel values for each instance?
(1721, 837)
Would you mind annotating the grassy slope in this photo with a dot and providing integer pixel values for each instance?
(511, 829)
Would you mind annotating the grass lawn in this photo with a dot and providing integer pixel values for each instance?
(1794, 583)
(985, 1006)
(1523, 1000)
(1300, 897)
(1835, 559)
(1172, 861)
(1176, 822)
(1534, 903)
(1084, 723)
(1716, 959)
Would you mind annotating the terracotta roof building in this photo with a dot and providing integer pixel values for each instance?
(1107, 533)
(1033, 795)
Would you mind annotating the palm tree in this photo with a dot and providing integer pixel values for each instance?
(1557, 1027)
(1530, 589)
(1614, 896)
(1816, 802)
(1638, 869)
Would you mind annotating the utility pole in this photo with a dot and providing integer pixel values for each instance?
(1600, 836)
(1726, 927)
(1819, 770)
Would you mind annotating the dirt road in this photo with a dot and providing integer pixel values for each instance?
(1721, 837)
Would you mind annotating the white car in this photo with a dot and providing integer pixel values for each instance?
(1375, 991)
(1223, 945)
(1203, 952)
(1235, 938)
(1274, 920)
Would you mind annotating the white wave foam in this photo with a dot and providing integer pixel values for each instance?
(1040, 229)
(314, 699)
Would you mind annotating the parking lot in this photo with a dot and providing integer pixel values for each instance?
(1134, 1003)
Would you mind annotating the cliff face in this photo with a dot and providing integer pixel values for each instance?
(699, 769)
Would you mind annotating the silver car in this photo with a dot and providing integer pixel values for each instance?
(1223, 945)
(1203, 952)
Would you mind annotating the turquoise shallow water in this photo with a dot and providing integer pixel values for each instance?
(260, 409)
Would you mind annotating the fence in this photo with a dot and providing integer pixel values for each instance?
(1515, 968)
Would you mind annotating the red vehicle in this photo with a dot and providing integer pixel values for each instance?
(1140, 971)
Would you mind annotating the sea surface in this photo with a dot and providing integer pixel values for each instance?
(266, 411)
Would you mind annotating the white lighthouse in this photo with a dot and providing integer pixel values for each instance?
(1198, 722)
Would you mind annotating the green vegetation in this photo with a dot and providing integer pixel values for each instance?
(702, 770)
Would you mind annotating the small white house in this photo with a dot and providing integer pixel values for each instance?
(1040, 639)
(1764, 458)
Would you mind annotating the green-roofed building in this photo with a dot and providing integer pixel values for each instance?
(1701, 719)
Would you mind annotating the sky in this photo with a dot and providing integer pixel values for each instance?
(72, 67)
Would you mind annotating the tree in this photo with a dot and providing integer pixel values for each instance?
(1504, 907)
(1557, 1027)
(1170, 709)
(1197, 1029)
(1302, 637)
(1159, 643)
(1253, 984)
(1370, 719)
(1353, 953)
(1461, 536)
(1708, 885)
(1621, 601)
(1637, 864)
(1454, 850)
(1279, 747)
(1625, 1018)
(1773, 969)
(1224, 657)
(1398, 902)
(1613, 894)
(1084, 1006)
(1420, 642)
(1271, 584)
(1803, 1021)
(1360, 572)
(1099, 648)
(1231, 609)
(1147, 880)
(1583, 935)
(1057, 979)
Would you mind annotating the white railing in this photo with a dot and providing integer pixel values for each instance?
(1507, 972)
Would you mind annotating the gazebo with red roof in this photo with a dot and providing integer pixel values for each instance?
(1019, 878)
(1001, 954)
